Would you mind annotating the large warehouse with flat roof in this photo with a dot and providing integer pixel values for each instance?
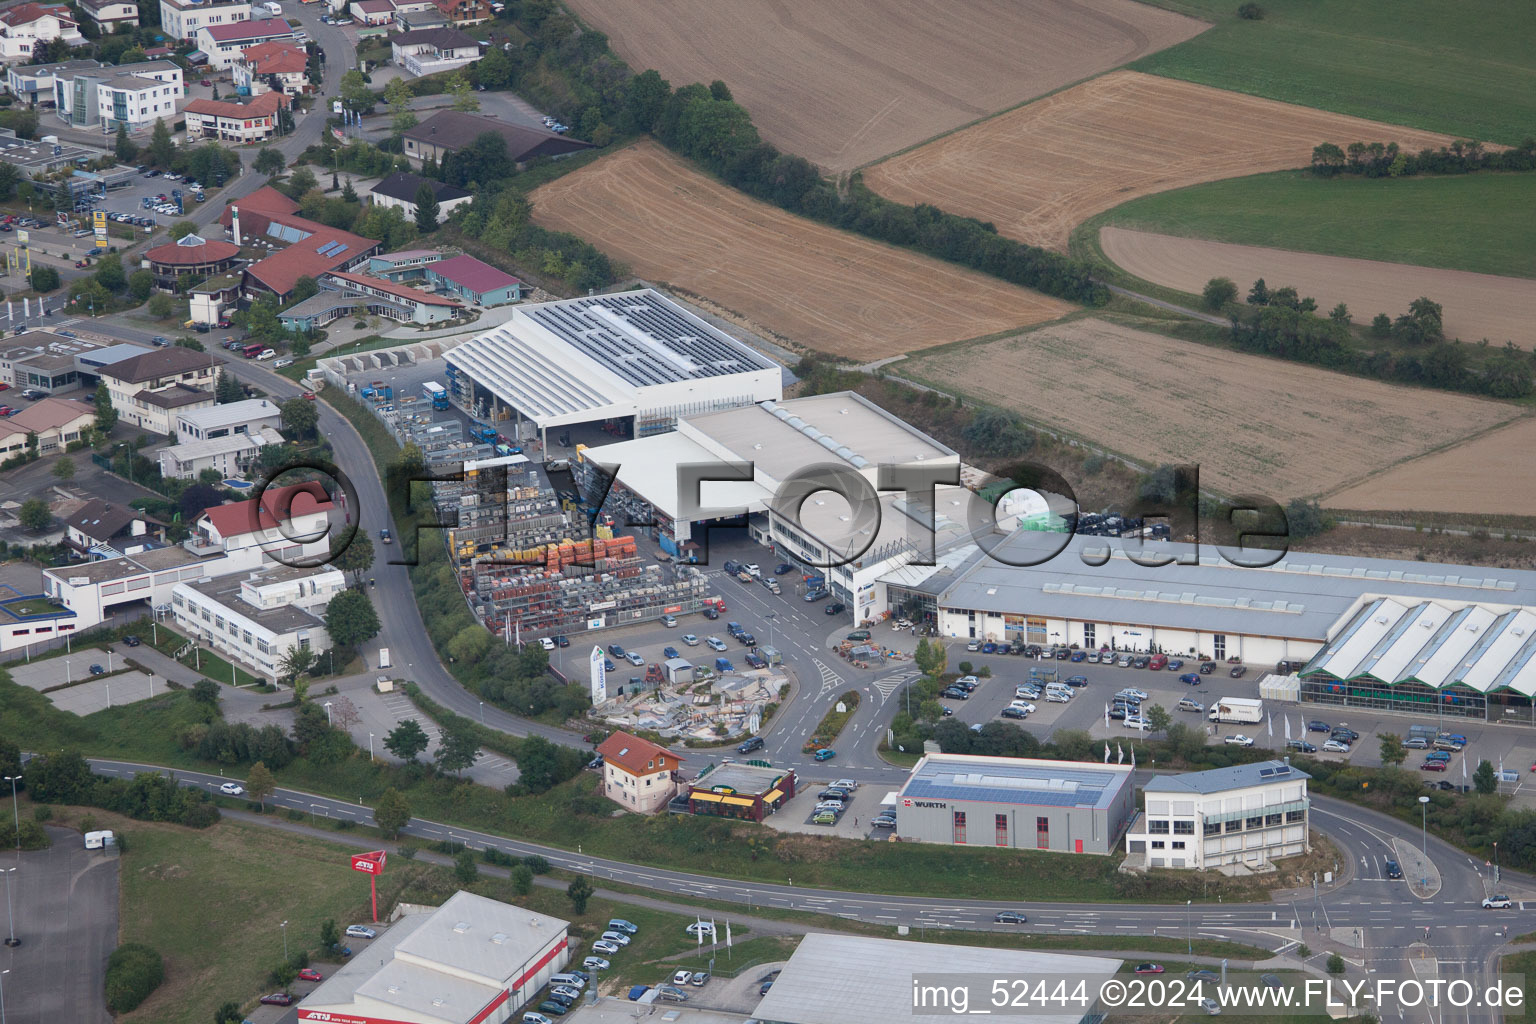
(1019, 802)
(852, 979)
(633, 360)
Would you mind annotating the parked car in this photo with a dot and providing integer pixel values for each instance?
(836, 608)
(595, 963)
(1125, 661)
(1014, 712)
(699, 978)
(682, 977)
(1078, 656)
(1076, 680)
(1157, 662)
(954, 693)
(1344, 734)
(131, 641)
(1149, 968)
(1301, 745)
(546, 643)
(1317, 726)
(689, 640)
(604, 946)
(1140, 661)
(634, 658)
(1336, 746)
(615, 936)
(1432, 766)
(1239, 740)
(701, 928)
(360, 931)
(553, 1008)
(714, 643)
(1420, 743)
(309, 974)
(825, 817)
(883, 821)
(1238, 671)
(278, 999)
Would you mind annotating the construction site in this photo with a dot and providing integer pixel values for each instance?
(682, 701)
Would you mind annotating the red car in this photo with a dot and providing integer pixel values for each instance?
(309, 974)
(4, 386)
(6, 410)
(278, 999)
(1149, 968)
(309, 396)
(1432, 766)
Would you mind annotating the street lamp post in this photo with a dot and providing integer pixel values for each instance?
(1189, 928)
(2, 994)
(370, 746)
(10, 939)
(15, 813)
(482, 713)
(1495, 865)
(284, 927)
(327, 712)
(1424, 840)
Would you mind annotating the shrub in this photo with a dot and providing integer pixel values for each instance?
(42, 812)
(1250, 12)
(133, 972)
(538, 865)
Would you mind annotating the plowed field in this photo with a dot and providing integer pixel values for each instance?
(1038, 171)
(843, 83)
(811, 285)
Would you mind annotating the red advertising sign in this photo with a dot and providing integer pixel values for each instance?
(369, 863)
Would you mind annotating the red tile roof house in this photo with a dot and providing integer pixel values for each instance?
(321, 250)
(638, 775)
(288, 524)
(477, 283)
(223, 44)
(235, 122)
(425, 307)
(275, 66)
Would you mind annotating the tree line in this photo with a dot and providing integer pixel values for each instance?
(1388, 160)
(1281, 323)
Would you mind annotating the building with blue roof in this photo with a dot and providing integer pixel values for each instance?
(1019, 802)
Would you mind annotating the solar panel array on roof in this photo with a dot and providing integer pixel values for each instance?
(285, 233)
(1056, 785)
(645, 339)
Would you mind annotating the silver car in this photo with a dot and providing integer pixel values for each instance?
(1125, 661)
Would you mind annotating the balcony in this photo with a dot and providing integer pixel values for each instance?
(201, 546)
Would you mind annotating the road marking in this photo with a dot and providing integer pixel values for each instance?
(890, 684)
(830, 680)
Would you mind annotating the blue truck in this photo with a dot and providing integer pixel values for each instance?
(436, 394)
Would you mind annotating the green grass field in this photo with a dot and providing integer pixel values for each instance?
(1484, 223)
(1432, 64)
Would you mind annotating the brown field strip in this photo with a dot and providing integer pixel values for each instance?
(1477, 306)
(1038, 171)
(1254, 425)
(1490, 475)
(845, 83)
(815, 286)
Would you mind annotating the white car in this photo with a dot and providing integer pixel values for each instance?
(1336, 747)
(1137, 723)
(536, 1018)
(701, 928)
(566, 992)
(604, 946)
(1131, 691)
(281, 363)
(595, 963)
(847, 784)
(682, 977)
(1497, 903)
(360, 931)
(689, 640)
(753, 570)
(1239, 741)
(1093, 658)
(232, 789)
(616, 937)
(968, 681)
(546, 643)
(714, 643)
(1024, 706)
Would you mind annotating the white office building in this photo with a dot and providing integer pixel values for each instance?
(1249, 815)
(231, 456)
(132, 95)
(257, 618)
(182, 18)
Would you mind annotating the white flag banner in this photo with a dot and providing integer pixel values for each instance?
(727, 934)
(1269, 724)
(1106, 725)
(1464, 758)
(1133, 755)
(1119, 754)
(1106, 753)
(1287, 728)
(700, 923)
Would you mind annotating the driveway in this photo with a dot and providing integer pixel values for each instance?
(66, 918)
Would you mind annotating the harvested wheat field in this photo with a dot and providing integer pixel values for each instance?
(811, 285)
(1254, 425)
(845, 83)
(1038, 171)
(1490, 474)
(1476, 306)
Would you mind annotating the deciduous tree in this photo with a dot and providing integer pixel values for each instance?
(579, 892)
(350, 619)
(260, 784)
(392, 813)
(459, 747)
(406, 740)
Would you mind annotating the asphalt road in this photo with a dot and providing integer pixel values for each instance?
(66, 917)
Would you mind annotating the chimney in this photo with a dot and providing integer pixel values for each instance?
(234, 222)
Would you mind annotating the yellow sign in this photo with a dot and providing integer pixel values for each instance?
(99, 222)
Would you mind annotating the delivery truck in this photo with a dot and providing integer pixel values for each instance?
(1237, 710)
(435, 393)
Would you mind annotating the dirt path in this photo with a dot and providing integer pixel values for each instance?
(1476, 306)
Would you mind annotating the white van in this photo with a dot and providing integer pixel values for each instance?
(573, 980)
(273, 9)
(99, 840)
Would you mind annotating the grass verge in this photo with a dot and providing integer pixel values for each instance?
(205, 661)
(832, 723)
(1459, 222)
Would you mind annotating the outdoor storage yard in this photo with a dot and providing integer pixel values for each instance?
(1489, 475)
(1477, 306)
(842, 84)
(1038, 171)
(779, 274)
(1254, 425)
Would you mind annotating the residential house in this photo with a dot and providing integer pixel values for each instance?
(214, 299)
(105, 529)
(55, 421)
(400, 188)
(419, 17)
(224, 44)
(27, 26)
(449, 131)
(181, 19)
(235, 122)
(638, 775)
(424, 307)
(257, 618)
(430, 50)
(279, 66)
(286, 524)
(476, 283)
(110, 15)
(229, 420)
(149, 390)
(465, 12)
(231, 456)
(190, 255)
(1248, 814)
